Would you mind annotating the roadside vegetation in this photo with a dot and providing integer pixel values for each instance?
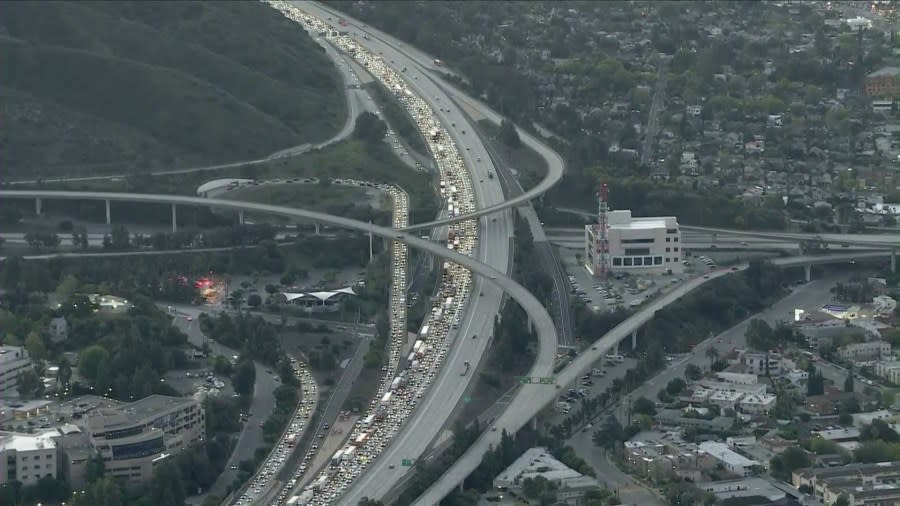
(131, 86)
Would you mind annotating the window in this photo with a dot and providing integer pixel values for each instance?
(668, 249)
(637, 241)
(668, 239)
(637, 252)
(648, 260)
(671, 230)
(657, 260)
(676, 239)
(617, 261)
(638, 261)
(627, 261)
(676, 248)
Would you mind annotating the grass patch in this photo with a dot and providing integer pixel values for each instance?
(397, 117)
(350, 158)
(148, 85)
(530, 166)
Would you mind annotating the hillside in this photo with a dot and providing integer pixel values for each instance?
(93, 87)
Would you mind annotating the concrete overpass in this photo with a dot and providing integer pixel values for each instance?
(528, 402)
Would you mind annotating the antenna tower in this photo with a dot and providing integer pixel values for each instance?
(602, 232)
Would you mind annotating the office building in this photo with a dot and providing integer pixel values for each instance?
(636, 245)
(13, 362)
(133, 438)
(26, 458)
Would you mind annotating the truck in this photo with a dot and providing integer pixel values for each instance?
(386, 398)
(361, 439)
(615, 359)
(395, 384)
(349, 453)
(414, 365)
(438, 62)
(597, 372)
(368, 421)
(291, 440)
(424, 333)
(336, 458)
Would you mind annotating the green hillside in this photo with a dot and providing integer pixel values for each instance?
(93, 87)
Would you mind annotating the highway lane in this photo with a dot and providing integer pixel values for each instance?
(493, 249)
(420, 67)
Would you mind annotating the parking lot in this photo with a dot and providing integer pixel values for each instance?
(404, 379)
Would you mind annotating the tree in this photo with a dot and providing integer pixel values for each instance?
(120, 239)
(370, 128)
(760, 335)
(789, 461)
(692, 372)
(842, 500)
(643, 406)
(848, 381)
(89, 361)
(712, 354)
(254, 300)
(64, 373)
(244, 376)
(35, 346)
(508, 134)
(609, 433)
(675, 386)
(66, 288)
(29, 384)
(95, 468)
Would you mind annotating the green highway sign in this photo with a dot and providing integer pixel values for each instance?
(529, 380)
(406, 462)
(467, 399)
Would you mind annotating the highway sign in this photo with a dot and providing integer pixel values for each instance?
(467, 399)
(406, 462)
(537, 380)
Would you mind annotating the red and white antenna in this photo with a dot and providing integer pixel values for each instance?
(602, 246)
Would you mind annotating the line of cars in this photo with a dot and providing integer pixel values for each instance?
(404, 379)
(261, 482)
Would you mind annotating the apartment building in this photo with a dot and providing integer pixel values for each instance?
(26, 458)
(14, 361)
(863, 484)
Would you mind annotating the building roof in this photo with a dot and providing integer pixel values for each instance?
(10, 354)
(722, 452)
(324, 295)
(744, 487)
(538, 462)
(25, 442)
(147, 407)
(886, 71)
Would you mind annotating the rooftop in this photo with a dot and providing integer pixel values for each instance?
(539, 462)
(722, 452)
(147, 407)
(25, 442)
(12, 353)
(886, 71)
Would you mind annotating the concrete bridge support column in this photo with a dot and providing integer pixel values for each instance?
(808, 271)
(174, 219)
(615, 350)
(241, 217)
(37, 207)
(893, 259)
(371, 248)
(317, 228)
(634, 339)
(108, 213)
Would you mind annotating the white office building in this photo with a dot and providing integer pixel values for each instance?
(731, 461)
(13, 362)
(26, 458)
(636, 245)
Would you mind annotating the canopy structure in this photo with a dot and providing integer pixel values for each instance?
(322, 297)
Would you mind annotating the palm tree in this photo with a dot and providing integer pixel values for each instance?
(712, 354)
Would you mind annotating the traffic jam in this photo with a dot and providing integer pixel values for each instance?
(259, 484)
(405, 378)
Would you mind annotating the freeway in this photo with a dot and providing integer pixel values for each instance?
(420, 67)
(493, 249)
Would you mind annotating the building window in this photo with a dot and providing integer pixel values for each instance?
(627, 261)
(668, 239)
(638, 261)
(637, 252)
(668, 249)
(676, 248)
(637, 241)
(657, 260)
(676, 239)
(617, 261)
(648, 260)
(671, 230)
